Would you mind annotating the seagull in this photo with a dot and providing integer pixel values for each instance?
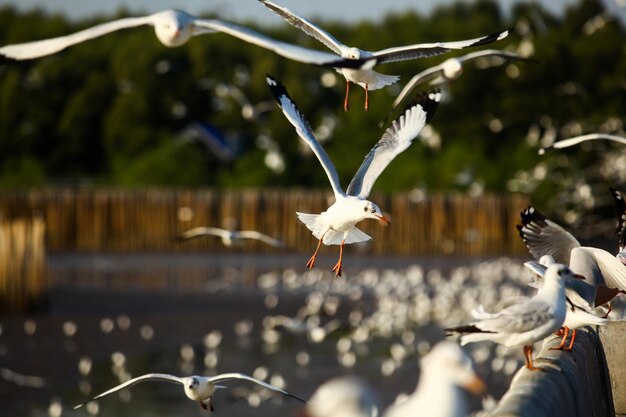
(522, 323)
(444, 370)
(452, 68)
(174, 28)
(578, 314)
(364, 75)
(605, 272)
(230, 237)
(197, 388)
(566, 143)
(336, 225)
(620, 204)
(346, 396)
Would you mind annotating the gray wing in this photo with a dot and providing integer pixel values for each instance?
(303, 129)
(426, 75)
(290, 51)
(230, 376)
(253, 234)
(425, 50)
(37, 49)
(143, 378)
(307, 27)
(566, 143)
(613, 270)
(495, 53)
(544, 237)
(202, 231)
(395, 140)
(620, 204)
(518, 318)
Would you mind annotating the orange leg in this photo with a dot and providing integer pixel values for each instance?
(346, 105)
(571, 342)
(311, 262)
(367, 98)
(337, 268)
(528, 354)
(564, 331)
(606, 316)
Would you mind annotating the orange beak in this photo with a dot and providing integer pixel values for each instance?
(384, 220)
(476, 386)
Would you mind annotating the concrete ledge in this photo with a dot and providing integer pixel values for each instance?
(574, 384)
(613, 337)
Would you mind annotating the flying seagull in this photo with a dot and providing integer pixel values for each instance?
(364, 75)
(523, 323)
(197, 388)
(230, 237)
(336, 225)
(174, 28)
(566, 143)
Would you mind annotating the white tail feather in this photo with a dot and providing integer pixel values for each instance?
(316, 225)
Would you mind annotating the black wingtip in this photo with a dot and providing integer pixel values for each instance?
(531, 214)
(467, 328)
(7, 60)
(496, 36)
(429, 101)
(277, 88)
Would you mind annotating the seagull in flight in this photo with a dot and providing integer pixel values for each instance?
(523, 323)
(363, 74)
(230, 237)
(173, 28)
(336, 225)
(566, 143)
(197, 388)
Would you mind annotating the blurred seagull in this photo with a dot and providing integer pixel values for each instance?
(174, 28)
(197, 388)
(364, 75)
(605, 273)
(566, 143)
(451, 69)
(336, 225)
(523, 323)
(444, 370)
(230, 237)
(578, 314)
(346, 396)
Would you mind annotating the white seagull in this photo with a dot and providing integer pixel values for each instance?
(606, 273)
(566, 143)
(452, 68)
(230, 237)
(364, 75)
(346, 396)
(443, 371)
(522, 323)
(174, 28)
(336, 225)
(197, 388)
(578, 314)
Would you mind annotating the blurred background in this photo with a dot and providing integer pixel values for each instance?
(112, 148)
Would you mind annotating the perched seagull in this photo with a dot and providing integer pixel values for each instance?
(346, 396)
(444, 370)
(364, 75)
(174, 28)
(578, 314)
(336, 225)
(197, 388)
(605, 272)
(451, 69)
(566, 143)
(522, 323)
(230, 237)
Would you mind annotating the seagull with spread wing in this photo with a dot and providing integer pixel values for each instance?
(364, 75)
(174, 28)
(230, 237)
(197, 388)
(336, 225)
(566, 143)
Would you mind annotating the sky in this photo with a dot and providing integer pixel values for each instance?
(344, 10)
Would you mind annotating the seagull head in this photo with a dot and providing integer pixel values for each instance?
(172, 28)
(352, 53)
(371, 211)
(197, 388)
(449, 364)
(452, 68)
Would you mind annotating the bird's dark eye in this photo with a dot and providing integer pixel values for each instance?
(373, 210)
(364, 208)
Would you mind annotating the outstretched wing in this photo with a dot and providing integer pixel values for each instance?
(37, 49)
(544, 237)
(424, 50)
(202, 231)
(427, 74)
(290, 110)
(306, 26)
(230, 376)
(146, 377)
(566, 143)
(395, 140)
(253, 234)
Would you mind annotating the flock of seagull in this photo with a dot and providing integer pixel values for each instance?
(575, 284)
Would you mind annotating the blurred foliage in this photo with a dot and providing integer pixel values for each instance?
(112, 110)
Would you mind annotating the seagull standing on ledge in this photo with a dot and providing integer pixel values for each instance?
(364, 75)
(174, 28)
(197, 388)
(523, 323)
(336, 225)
